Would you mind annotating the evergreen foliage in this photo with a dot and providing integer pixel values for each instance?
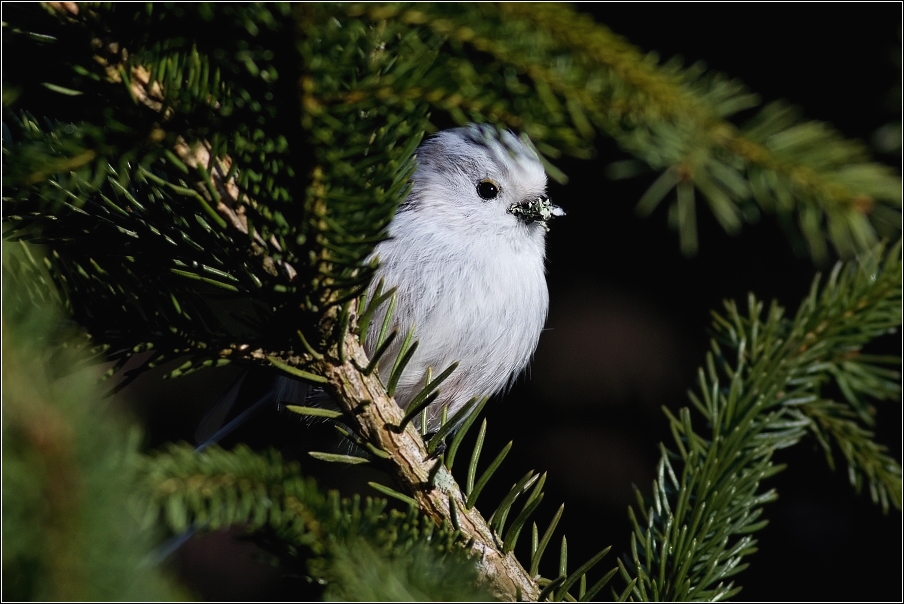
(766, 383)
(208, 180)
(71, 528)
(344, 544)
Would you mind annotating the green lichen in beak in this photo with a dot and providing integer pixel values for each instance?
(539, 210)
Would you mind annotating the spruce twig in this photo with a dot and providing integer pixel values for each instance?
(759, 392)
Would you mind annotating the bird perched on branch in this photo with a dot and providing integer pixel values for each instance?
(465, 255)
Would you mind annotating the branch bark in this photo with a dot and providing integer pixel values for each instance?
(427, 480)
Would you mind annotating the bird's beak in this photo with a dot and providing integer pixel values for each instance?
(536, 209)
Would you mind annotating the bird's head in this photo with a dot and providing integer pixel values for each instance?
(483, 179)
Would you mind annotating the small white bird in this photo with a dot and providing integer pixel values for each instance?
(466, 255)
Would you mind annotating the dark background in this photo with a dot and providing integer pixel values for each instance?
(628, 327)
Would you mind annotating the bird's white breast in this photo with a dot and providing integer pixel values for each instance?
(482, 303)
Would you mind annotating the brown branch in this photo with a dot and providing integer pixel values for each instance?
(377, 416)
(226, 197)
(228, 201)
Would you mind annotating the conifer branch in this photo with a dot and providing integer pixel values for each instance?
(424, 478)
(674, 119)
(262, 494)
(69, 528)
(760, 392)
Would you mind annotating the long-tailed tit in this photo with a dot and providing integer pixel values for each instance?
(466, 254)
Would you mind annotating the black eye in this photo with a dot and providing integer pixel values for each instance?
(487, 190)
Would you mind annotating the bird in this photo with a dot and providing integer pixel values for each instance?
(465, 253)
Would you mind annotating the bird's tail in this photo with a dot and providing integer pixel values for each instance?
(265, 389)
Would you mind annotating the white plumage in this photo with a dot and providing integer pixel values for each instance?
(466, 253)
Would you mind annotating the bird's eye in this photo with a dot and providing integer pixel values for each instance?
(487, 190)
